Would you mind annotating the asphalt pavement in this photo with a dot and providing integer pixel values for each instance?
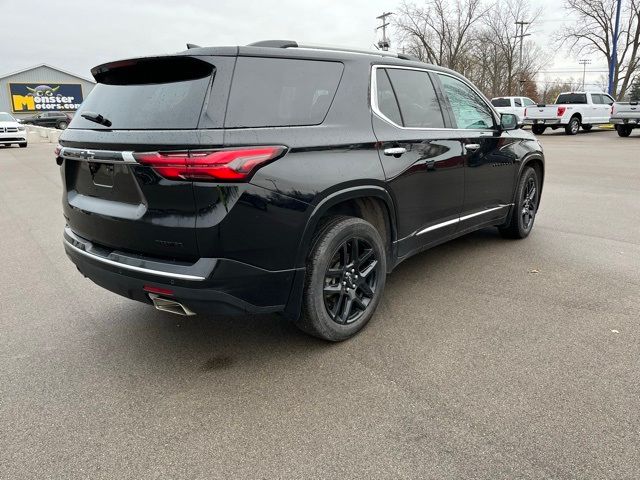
(487, 358)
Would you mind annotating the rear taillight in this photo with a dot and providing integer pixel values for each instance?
(561, 111)
(525, 112)
(612, 109)
(230, 165)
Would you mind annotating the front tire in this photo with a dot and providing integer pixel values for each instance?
(538, 129)
(524, 211)
(23, 145)
(346, 274)
(573, 127)
(623, 130)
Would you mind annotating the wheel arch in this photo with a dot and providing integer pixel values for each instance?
(536, 161)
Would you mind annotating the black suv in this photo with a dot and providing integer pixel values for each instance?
(279, 177)
(58, 120)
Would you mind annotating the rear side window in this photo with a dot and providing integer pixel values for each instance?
(419, 105)
(501, 102)
(277, 92)
(150, 93)
(517, 102)
(565, 98)
(387, 103)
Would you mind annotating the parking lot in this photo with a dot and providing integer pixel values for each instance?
(487, 358)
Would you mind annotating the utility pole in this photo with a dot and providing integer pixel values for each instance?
(584, 62)
(384, 43)
(521, 24)
(614, 56)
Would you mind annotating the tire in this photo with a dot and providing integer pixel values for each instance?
(573, 127)
(538, 129)
(62, 125)
(520, 224)
(23, 145)
(587, 128)
(623, 130)
(340, 295)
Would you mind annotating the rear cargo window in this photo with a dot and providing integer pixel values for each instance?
(160, 93)
(566, 98)
(277, 92)
(501, 102)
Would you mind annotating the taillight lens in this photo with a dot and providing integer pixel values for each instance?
(230, 165)
(525, 112)
(612, 109)
(561, 111)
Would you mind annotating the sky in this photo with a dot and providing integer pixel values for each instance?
(76, 35)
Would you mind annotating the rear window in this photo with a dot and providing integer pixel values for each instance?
(501, 102)
(565, 98)
(155, 93)
(277, 92)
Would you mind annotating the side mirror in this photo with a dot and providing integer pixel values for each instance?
(508, 121)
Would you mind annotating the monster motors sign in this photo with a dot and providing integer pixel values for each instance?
(34, 97)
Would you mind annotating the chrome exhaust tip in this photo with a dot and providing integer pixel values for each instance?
(171, 306)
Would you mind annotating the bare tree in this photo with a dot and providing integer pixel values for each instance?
(440, 31)
(593, 31)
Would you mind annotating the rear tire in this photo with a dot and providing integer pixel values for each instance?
(573, 126)
(538, 129)
(623, 130)
(62, 125)
(524, 210)
(587, 128)
(346, 273)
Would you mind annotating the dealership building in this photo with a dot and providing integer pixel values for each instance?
(41, 89)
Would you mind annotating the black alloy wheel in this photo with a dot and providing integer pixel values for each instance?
(529, 203)
(350, 281)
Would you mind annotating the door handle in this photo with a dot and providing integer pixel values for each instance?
(395, 151)
(471, 147)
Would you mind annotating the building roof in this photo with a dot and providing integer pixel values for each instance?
(48, 66)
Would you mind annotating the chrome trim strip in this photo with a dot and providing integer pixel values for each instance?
(97, 156)
(460, 219)
(179, 276)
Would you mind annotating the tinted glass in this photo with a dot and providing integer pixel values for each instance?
(272, 92)
(469, 110)
(387, 103)
(5, 117)
(419, 105)
(517, 102)
(528, 101)
(607, 99)
(175, 105)
(565, 98)
(501, 102)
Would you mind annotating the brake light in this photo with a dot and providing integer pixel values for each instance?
(561, 111)
(612, 109)
(230, 165)
(57, 150)
(525, 112)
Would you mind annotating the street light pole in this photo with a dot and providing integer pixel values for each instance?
(614, 56)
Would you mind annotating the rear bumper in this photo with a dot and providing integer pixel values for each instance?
(633, 122)
(542, 121)
(208, 286)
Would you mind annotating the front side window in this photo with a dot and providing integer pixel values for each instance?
(419, 105)
(469, 110)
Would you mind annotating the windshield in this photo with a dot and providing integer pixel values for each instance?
(5, 117)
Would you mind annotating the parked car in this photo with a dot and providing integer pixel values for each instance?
(58, 120)
(572, 110)
(625, 116)
(514, 105)
(293, 181)
(11, 132)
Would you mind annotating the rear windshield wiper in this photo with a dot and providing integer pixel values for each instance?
(97, 118)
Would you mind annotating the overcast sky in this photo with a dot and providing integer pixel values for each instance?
(76, 35)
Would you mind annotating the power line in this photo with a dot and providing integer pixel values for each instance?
(384, 44)
(584, 62)
(521, 24)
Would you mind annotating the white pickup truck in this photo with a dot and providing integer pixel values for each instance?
(572, 110)
(625, 116)
(514, 105)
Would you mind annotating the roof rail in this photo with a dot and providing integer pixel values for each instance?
(313, 46)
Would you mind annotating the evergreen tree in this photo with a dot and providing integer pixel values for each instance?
(635, 89)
